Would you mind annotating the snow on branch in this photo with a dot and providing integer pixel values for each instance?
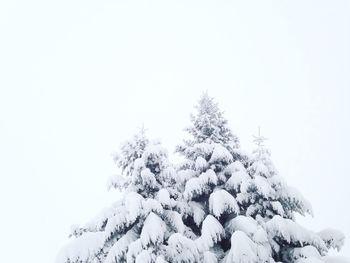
(82, 249)
(222, 202)
(243, 249)
(212, 231)
(182, 249)
(118, 251)
(153, 230)
(333, 238)
(292, 233)
(249, 226)
(220, 155)
(197, 186)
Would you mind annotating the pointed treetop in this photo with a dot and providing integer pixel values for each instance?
(259, 139)
(206, 104)
(209, 124)
(131, 150)
(142, 130)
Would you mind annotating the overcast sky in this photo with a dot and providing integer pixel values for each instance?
(79, 77)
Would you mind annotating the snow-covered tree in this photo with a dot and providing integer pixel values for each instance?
(212, 154)
(264, 193)
(142, 226)
(241, 210)
(219, 205)
(209, 127)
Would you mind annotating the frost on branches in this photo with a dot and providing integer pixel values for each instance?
(219, 205)
(137, 228)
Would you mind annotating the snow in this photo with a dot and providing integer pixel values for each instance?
(201, 164)
(169, 176)
(221, 202)
(193, 187)
(99, 220)
(277, 207)
(204, 148)
(209, 177)
(83, 248)
(117, 182)
(236, 180)
(134, 249)
(278, 183)
(148, 178)
(263, 187)
(242, 223)
(333, 238)
(133, 205)
(153, 230)
(131, 150)
(160, 259)
(163, 197)
(197, 185)
(236, 166)
(300, 253)
(249, 226)
(181, 216)
(292, 232)
(117, 222)
(198, 212)
(151, 205)
(209, 257)
(212, 231)
(119, 249)
(154, 153)
(175, 220)
(185, 175)
(220, 154)
(243, 249)
(260, 169)
(182, 249)
(260, 184)
(310, 260)
(143, 257)
(293, 195)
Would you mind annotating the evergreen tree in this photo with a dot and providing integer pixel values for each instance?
(211, 155)
(138, 228)
(220, 205)
(248, 206)
(209, 127)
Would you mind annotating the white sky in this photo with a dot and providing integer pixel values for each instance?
(78, 77)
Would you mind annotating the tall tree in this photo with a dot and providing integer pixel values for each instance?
(211, 154)
(241, 210)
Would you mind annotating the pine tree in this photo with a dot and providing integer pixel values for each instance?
(139, 227)
(264, 193)
(209, 127)
(212, 154)
(273, 204)
(241, 210)
(219, 205)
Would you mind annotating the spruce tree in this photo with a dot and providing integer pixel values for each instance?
(220, 205)
(211, 155)
(250, 208)
(138, 227)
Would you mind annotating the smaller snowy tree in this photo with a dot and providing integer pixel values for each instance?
(142, 226)
(269, 205)
(264, 192)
